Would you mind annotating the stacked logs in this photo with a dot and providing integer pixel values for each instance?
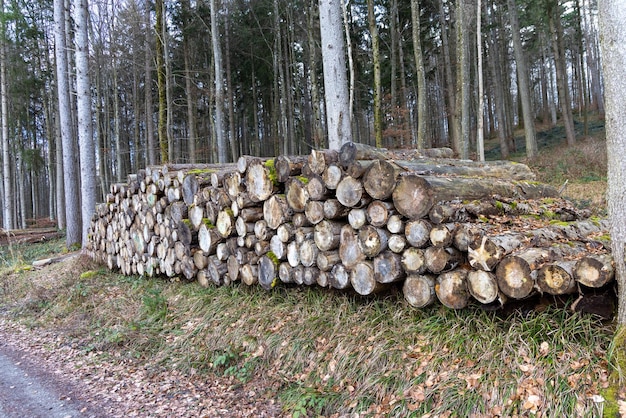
(361, 219)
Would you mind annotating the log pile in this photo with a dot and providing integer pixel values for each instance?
(360, 218)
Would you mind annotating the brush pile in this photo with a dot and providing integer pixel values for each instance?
(361, 218)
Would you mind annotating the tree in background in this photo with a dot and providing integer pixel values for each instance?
(70, 181)
(85, 128)
(335, 79)
(7, 205)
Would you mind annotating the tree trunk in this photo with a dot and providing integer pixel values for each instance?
(85, 128)
(8, 211)
(335, 82)
(222, 150)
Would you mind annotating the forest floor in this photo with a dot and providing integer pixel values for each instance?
(131, 346)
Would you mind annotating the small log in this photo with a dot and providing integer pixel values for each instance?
(327, 259)
(594, 270)
(327, 235)
(251, 214)
(462, 237)
(261, 247)
(362, 279)
(303, 233)
(441, 235)
(440, 259)
(339, 277)
(333, 209)
(191, 185)
(451, 289)
(516, 273)
(200, 259)
(249, 274)
(278, 247)
(285, 273)
(243, 228)
(379, 180)
(310, 275)
(318, 160)
(350, 192)
(388, 267)
(297, 273)
(296, 194)
(350, 251)
(419, 290)
(352, 151)
(233, 267)
(293, 254)
(299, 219)
(314, 211)
(397, 243)
(285, 232)
(276, 211)
(288, 166)
(331, 176)
(225, 224)
(413, 261)
(208, 238)
(267, 273)
(308, 253)
(260, 181)
(395, 224)
(316, 188)
(262, 230)
(217, 271)
(372, 240)
(485, 252)
(378, 212)
(322, 278)
(417, 232)
(482, 285)
(557, 278)
(196, 214)
(357, 218)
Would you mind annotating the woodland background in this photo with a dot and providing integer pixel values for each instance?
(153, 96)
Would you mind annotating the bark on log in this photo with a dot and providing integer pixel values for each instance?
(333, 209)
(327, 259)
(419, 290)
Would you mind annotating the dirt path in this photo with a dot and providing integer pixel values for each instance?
(28, 391)
(43, 374)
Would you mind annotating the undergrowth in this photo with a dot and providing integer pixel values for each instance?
(328, 352)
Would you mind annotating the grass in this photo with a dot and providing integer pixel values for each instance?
(327, 352)
(322, 352)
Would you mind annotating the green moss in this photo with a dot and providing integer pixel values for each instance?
(304, 180)
(547, 201)
(200, 171)
(514, 205)
(549, 214)
(208, 223)
(499, 205)
(273, 257)
(559, 223)
(229, 212)
(88, 274)
(272, 175)
(187, 222)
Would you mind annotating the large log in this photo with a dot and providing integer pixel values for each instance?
(379, 180)
(557, 278)
(362, 279)
(594, 270)
(415, 195)
(388, 268)
(350, 192)
(261, 180)
(268, 272)
(296, 194)
(276, 211)
(350, 250)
